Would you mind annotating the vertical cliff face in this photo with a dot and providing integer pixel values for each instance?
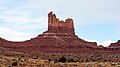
(57, 26)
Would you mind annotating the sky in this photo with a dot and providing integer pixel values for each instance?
(94, 20)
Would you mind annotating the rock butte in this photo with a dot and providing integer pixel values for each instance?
(60, 38)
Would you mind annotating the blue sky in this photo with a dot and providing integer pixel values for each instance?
(95, 20)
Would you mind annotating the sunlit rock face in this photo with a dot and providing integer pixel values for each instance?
(60, 27)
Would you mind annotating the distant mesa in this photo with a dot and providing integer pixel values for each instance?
(59, 38)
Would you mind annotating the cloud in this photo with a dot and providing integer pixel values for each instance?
(85, 12)
(1, 1)
(103, 43)
(14, 35)
(16, 18)
(11, 32)
(19, 21)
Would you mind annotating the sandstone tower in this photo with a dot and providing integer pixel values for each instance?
(60, 27)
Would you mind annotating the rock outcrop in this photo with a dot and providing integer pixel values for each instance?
(57, 26)
(59, 38)
(115, 45)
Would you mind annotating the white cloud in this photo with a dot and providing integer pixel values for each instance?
(106, 43)
(103, 43)
(14, 35)
(16, 16)
(84, 11)
(16, 19)
(1, 1)
(21, 19)
(10, 32)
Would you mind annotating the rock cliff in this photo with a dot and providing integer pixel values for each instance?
(57, 26)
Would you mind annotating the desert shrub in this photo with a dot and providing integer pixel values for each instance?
(81, 60)
(105, 60)
(62, 59)
(86, 60)
(19, 58)
(71, 60)
(14, 63)
(110, 60)
(22, 56)
(93, 60)
(9, 66)
(49, 60)
(36, 57)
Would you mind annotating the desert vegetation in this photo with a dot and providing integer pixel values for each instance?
(58, 61)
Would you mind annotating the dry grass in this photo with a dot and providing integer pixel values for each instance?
(30, 62)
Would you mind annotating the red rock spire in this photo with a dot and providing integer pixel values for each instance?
(56, 26)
